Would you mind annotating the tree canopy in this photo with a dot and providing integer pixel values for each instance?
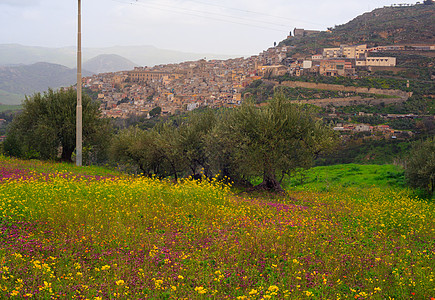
(420, 166)
(46, 128)
(241, 143)
(273, 140)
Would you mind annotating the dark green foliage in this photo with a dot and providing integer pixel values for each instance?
(90, 93)
(273, 140)
(137, 148)
(402, 124)
(46, 128)
(238, 143)
(372, 120)
(384, 151)
(193, 140)
(420, 166)
(156, 111)
(173, 148)
(260, 90)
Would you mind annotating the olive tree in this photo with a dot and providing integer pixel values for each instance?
(273, 140)
(420, 166)
(193, 138)
(139, 148)
(46, 127)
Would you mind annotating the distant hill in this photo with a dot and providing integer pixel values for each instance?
(11, 54)
(105, 63)
(14, 54)
(7, 98)
(17, 81)
(383, 26)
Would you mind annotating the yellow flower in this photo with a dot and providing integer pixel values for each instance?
(200, 290)
(15, 293)
(253, 292)
(273, 288)
(120, 282)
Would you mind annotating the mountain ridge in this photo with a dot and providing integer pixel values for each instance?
(105, 63)
(17, 81)
(143, 55)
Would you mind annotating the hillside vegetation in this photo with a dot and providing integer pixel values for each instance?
(382, 26)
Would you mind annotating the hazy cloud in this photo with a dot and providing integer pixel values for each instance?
(242, 27)
(19, 2)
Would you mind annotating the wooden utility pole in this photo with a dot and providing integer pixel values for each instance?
(79, 124)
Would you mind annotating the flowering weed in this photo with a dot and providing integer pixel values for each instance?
(123, 237)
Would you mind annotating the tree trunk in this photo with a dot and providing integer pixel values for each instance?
(66, 154)
(270, 183)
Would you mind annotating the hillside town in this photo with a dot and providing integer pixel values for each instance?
(218, 83)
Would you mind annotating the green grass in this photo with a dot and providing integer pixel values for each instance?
(348, 175)
(39, 166)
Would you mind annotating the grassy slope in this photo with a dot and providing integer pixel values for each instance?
(51, 167)
(349, 175)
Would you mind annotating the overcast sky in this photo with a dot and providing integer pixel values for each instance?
(236, 27)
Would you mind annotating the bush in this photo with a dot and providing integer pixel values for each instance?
(420, 166)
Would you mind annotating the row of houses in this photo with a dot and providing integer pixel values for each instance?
(382, 130)
(362, 52)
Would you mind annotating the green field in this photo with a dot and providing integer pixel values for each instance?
(348, 175)
(90, 233)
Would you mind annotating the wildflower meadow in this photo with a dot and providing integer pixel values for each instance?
(88, 233)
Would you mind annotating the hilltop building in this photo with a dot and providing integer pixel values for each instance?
(300, 32)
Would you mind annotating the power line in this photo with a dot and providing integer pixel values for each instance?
(193, 12)
(256, 12)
